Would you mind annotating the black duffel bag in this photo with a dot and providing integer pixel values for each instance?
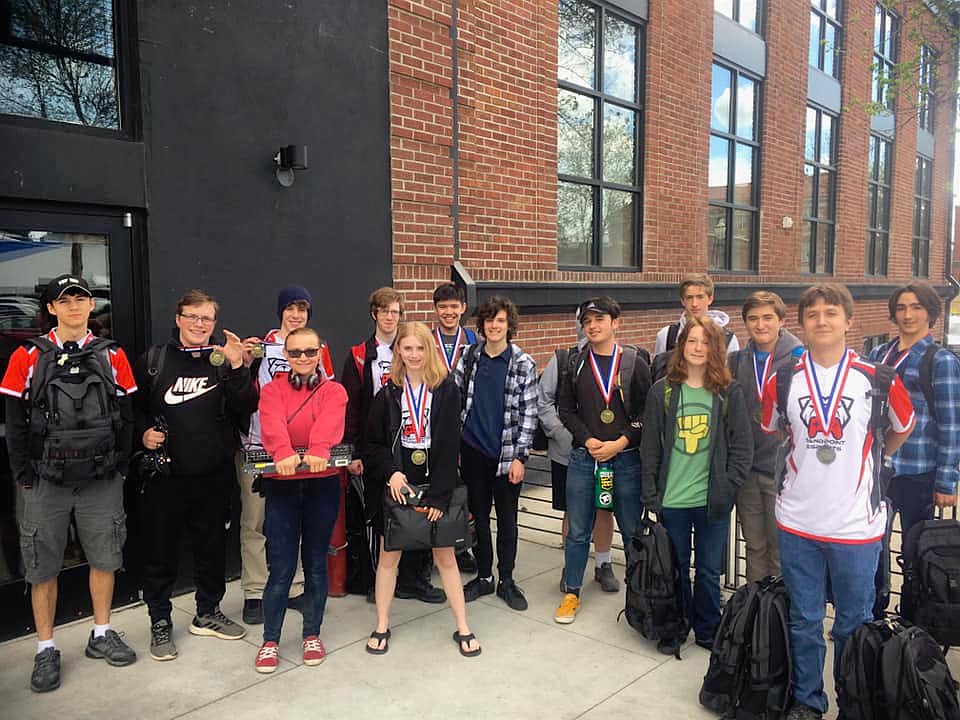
(406, 527)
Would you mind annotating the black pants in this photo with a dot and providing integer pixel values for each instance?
(201, 504)
(486, 489)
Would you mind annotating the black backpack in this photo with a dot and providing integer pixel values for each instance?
(750, 668)
(891, 671)
(74, 413)
(654, 605)
(930, 559)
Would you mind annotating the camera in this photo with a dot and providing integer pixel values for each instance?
(156, 463)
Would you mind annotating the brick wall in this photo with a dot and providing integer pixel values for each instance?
(507, 108)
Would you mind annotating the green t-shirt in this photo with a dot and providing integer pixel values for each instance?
(690, 458)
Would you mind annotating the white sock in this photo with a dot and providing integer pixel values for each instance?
(100, 630)
(44, 644)
(602, 557)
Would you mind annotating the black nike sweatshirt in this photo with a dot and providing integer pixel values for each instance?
(202, 404)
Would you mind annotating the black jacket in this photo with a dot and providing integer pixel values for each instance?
(203, 406)
(382, 455)
(742, 366)
(731, 447)
(359, 395)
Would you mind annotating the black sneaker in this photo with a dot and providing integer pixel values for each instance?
(216, 624)
(476, 588)
(162, 646)
(803, 712)
(466, 562)
(46, 671)
(669, 646)
(512, 595)
(295, 603)
(420, 590)
(253, 611)
(110, 647)
(603, 574)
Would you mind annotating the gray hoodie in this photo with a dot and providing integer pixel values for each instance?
(559, 439)
(742, 366)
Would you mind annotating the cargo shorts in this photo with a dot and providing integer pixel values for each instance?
(45, 520)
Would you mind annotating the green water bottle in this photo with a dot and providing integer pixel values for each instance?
(604, 486)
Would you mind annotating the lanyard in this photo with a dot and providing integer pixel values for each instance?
(761, 376)
(825, 407)
(418, 409)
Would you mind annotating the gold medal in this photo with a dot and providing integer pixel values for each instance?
(217, 357)
(607, 416)
(257, 350)
(418, 457)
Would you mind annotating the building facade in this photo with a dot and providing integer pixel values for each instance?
(543, 149)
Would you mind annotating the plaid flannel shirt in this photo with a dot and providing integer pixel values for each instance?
(932, 445)
(519, 406)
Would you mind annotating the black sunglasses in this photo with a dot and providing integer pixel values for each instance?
(309, 352)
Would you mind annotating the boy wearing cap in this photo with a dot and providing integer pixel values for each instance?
(601, 396)
(47, 503)
(294, 308)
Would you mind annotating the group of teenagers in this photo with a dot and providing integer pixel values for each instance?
(434, 408)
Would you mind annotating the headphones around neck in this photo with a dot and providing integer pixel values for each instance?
(311, 383)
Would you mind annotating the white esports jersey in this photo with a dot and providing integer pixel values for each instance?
(380, 372)
(829, 491)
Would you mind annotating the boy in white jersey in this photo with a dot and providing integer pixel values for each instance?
(830, 510)
(294, 307)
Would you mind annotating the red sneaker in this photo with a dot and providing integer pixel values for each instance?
(268, 657)
(313, 651)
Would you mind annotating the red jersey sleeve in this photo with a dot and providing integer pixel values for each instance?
(900, 409)
(768, 420)
(17, 377)
(122, 372)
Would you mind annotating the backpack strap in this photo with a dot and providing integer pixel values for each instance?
(729, 335)
(883, 377)
(784, 381)
(926, 379)
(156, 357)
(471, 336)
(629, 357)
(672, 333)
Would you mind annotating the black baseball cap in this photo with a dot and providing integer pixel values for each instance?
(599, 305)
(63, 284)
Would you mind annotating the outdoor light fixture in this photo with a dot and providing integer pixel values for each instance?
(288, 159)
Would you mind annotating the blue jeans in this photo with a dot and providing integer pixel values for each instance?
(805, 564)
(581, 506)
(701, 601)
(299, 515)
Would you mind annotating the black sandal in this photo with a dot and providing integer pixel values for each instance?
(379, 636)
(461, 639)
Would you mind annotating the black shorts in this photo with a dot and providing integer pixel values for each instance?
(558, 483)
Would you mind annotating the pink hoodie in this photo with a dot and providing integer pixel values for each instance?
(317, 426)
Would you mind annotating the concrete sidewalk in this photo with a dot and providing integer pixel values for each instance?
(531, 667)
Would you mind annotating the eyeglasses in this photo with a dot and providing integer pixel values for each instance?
(384, 311)
(309, 352)
(202, 319)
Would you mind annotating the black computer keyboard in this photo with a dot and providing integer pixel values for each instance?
(257, 461)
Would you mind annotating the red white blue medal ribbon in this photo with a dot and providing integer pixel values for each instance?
(450, 360)
(418, 410)
(761, 377)
(605, 385)
(899, 360)
(825, 406)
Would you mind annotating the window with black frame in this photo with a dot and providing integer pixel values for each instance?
(885, 35)
(744, 12)
(878, 205)
(819, 192)
(926, 87)
(733, 170)
(825, 36)
(599, 116)
(922, 196)
(58, 61)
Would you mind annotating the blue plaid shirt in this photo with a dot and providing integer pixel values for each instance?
(932, 445)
